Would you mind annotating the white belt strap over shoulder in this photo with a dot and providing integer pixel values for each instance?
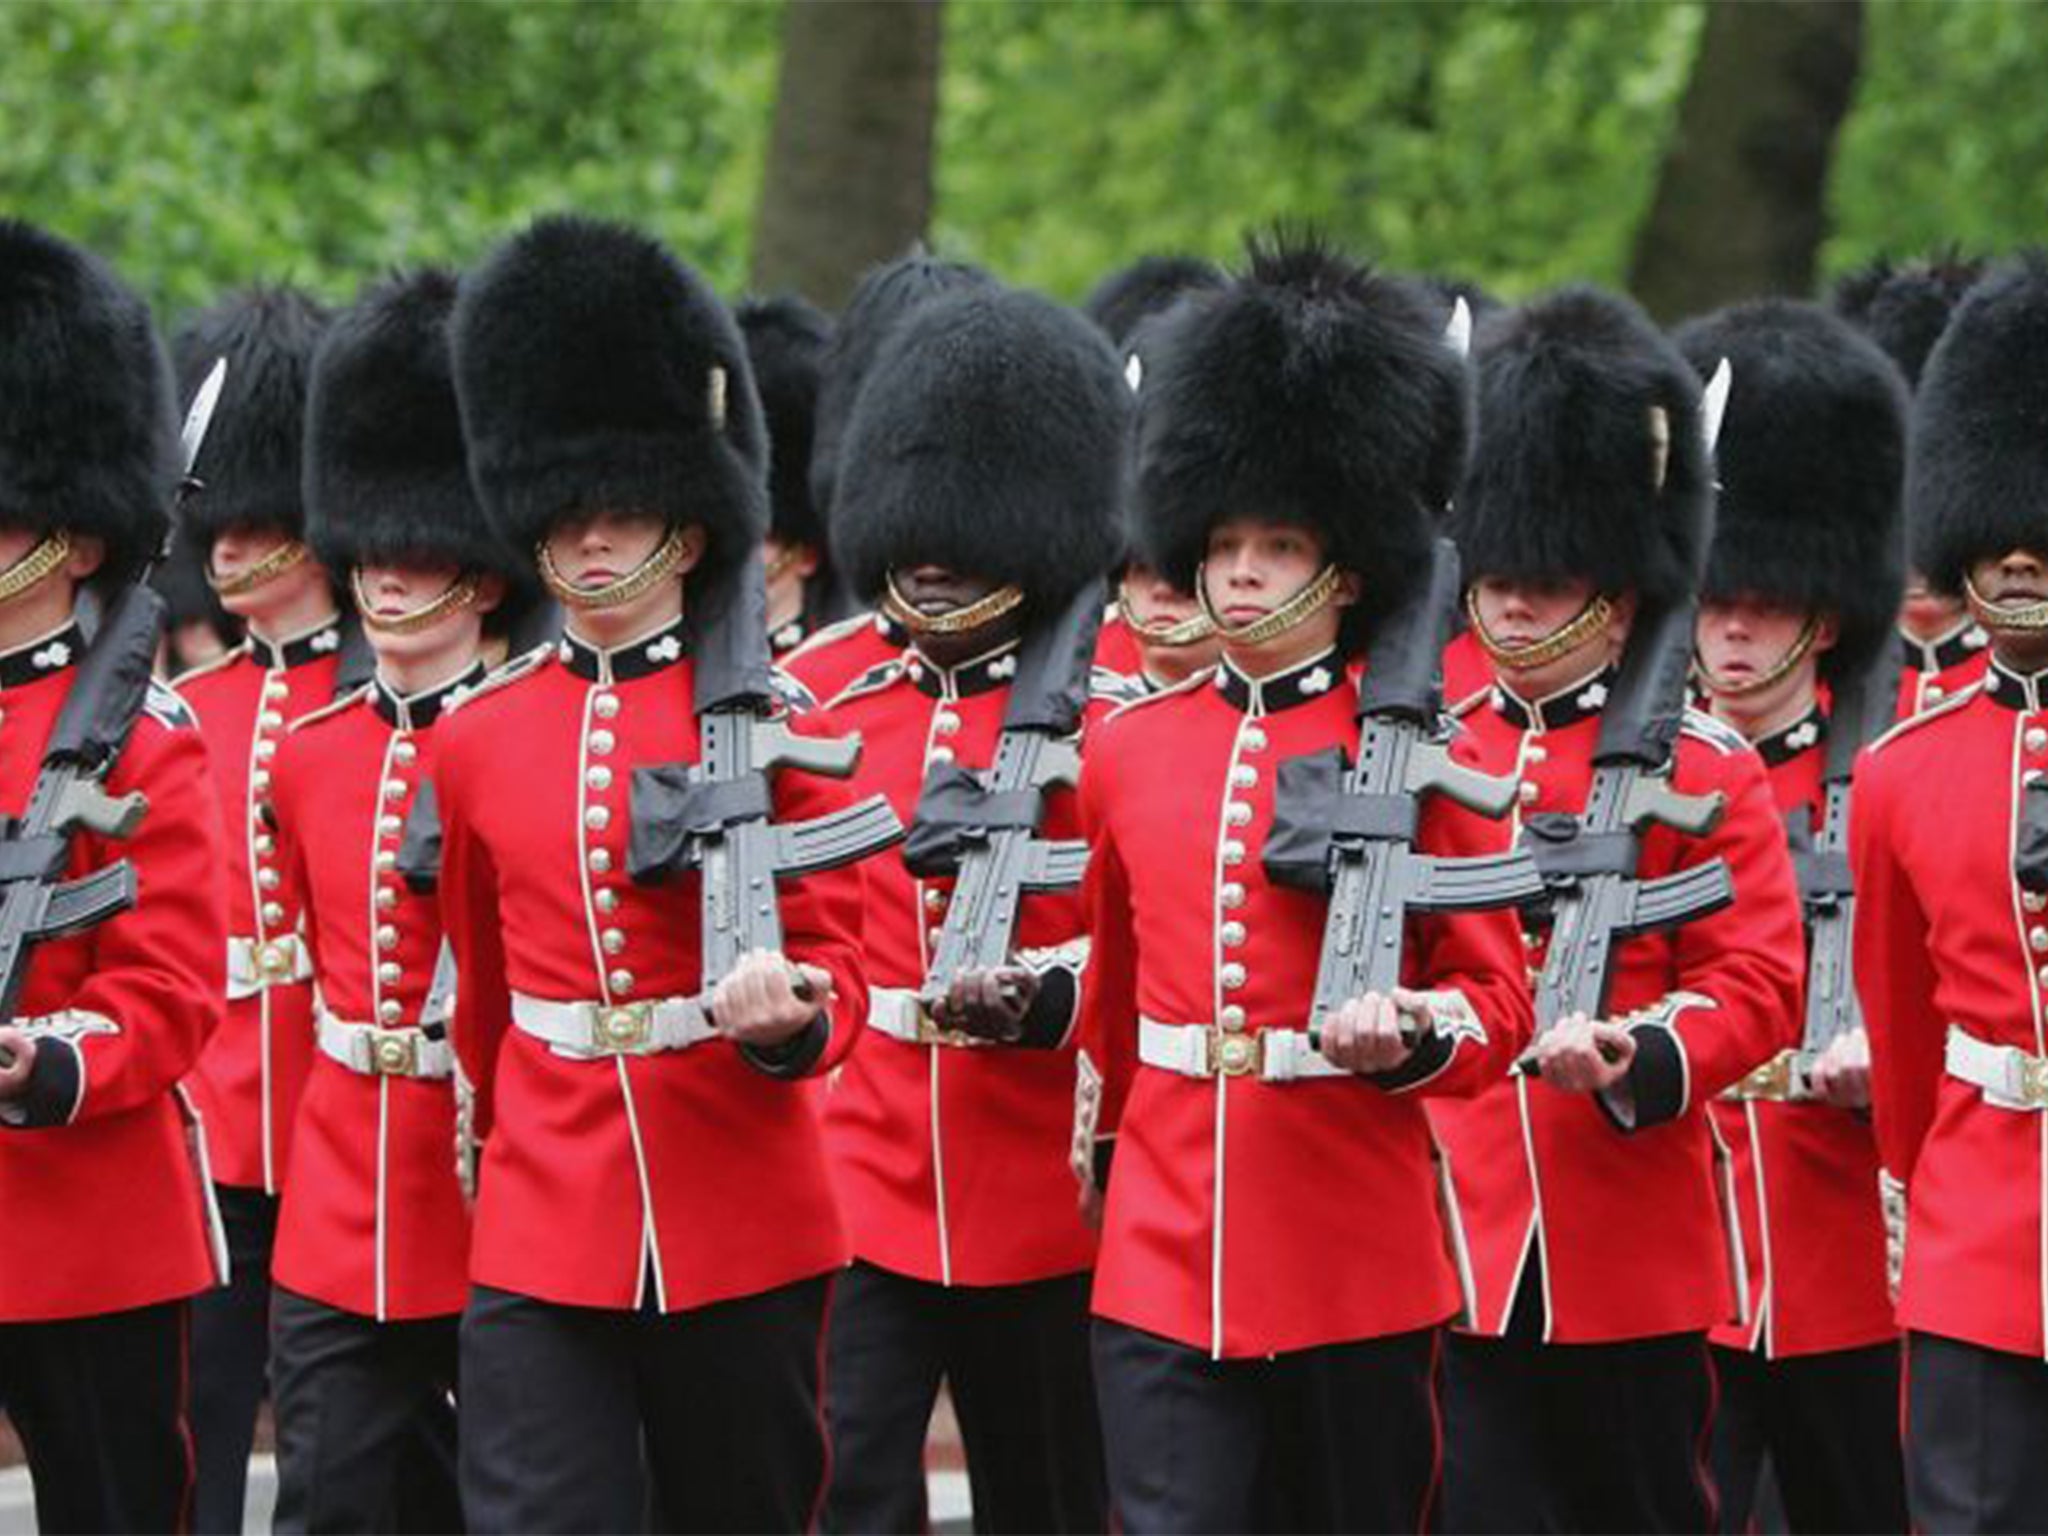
(2008, 1077)
(900, 1014)
(1202, 1050)
(254, 964)
(589, 1031)
(376, 1052)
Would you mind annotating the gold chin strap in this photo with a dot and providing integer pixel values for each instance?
(459, 595)
(262, 573)
(1795, 653)
(2010, 618)
(651, 572)
(1169, 633)
(35, 567)
(955, 621)
(1587, 626)
(1298, 608)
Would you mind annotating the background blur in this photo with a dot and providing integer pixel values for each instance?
(1691, 152)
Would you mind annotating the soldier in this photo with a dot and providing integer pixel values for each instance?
(786, 340)
(247, 521)
(371, 1269)
(977, 494)
(1800, 591)
(1580, 1396)
(1951, 944)
(1904, 308)
(654, 1228)
(1265, 1355)
(197, 630)
(110, 1228)
(835, 655)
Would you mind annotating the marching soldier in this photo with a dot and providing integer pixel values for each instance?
(197, 630)
(109, 1229)
(1951, 941)
(786, 340)
(372, 1261)
(977, 494)
(1275, 1265)
(246, 520)
(1580, 1395)
(654, 1228)
(835, 655)
(1800, 591)
(1169, 637)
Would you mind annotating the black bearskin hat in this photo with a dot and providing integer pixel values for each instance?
(786, 339)
(1811, 464)
(1128, 297)
(1313, 391)
(1977, 473)
(989, 439)
(189, 598)
(1906, 307)
(595, 371)
(88, 429)
(386, 480)
(250, 469)
(1565, 479)
(881, 300)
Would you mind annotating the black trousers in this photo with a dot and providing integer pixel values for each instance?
(100, 1405)
(1576, 1437)
(1976, 1438)
(573, 1416)
(365, 1420)
(1827, 1425)
(1342, 1438)
(231, 1359)
(1016, 1360)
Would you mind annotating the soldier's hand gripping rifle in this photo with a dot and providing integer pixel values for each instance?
(1862, 711)
(982, 828)
(1348, 827)
(106, 698)
(716, 815)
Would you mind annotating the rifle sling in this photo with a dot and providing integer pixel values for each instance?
(1315, 817)
(672, 810)
(957, 812)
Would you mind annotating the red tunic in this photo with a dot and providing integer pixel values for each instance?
(1938, 670)
(1945, 936)
(111, 1205)
(951, 1161)
(373, 1220)
(1467, 672)
(1116, 646)
(1805, 1174)
(1633, 1231)
(249, 1080)
(839, 653)
(1248, 1217)
(680, 1177)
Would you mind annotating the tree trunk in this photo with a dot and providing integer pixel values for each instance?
(849, 173)
(1741, 203)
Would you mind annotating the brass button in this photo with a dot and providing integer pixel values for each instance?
(1233, 851)
(404, 753)
(1232, 977)
(613, 941)
(269, 720)
(597, 818)
(387, 898)
(1936, 693)
(1243, 776)
(277, 689)
(2038, 938)
(605, 706)
(1536, 754)
(621, 982)
(1238, 814)
(945, 722)
(2035, 739)
(394, 789)
(1526, 792)
(2033, 901)
(599, 777)
(1233, 934)
(387, 936)
(1252, 739)
(387, 861)
(259, 781)
(265, 843)
(389, 1012)
(1230, 894)
(607, 900)
(939, 755)
(935, 901)
(601, 860)
(269, 878)
(389, 973)
(601, 742)
(266, 749)
(1231, 1017)
(390, 826)
(273, 913)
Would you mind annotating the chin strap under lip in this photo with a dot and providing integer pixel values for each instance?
(643, 578)
(35, 567)
(1170, 634)
(459, 594)
(1588, 624)
(285, 557)
(954, 621)
(1298, 609)
(2011, 618)
(1775, 673)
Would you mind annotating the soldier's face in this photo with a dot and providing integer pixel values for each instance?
(594, 549)
(1741, 640)
(1925, 613)
(1253, 567)
(239, 548)
(394, 591)
(1518, 613)
(2019, 579)
(1155, 601)
(936, 589)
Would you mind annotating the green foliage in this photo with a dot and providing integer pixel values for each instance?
(200, 144)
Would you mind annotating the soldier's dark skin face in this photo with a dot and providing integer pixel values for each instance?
(936, 590)
(2018, 577)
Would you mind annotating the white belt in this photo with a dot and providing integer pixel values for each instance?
(254, 964)
(1202, 1050)
(900, 1014)
(378, 1052)
(2009, 1077)
(591, 1030)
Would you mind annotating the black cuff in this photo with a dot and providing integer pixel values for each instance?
(51, 1097)
(795, 1056)
(1654, 1090)
(1050, 1018)
(1105, 1150)
(1431, 1055)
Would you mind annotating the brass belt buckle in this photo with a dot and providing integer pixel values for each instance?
(394, 1053)
(2034, 1080)
(1232, 1054)
(930, 1032)
(622, 1027)
(1772, 1080)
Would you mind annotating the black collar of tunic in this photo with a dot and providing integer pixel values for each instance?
(1301, 684)
(42, 658)
(282, 655)
(979, 674)
(415, 712)
(622, 664)
(1951, 650)
(2020, 691)
(1568, 706)
(1802, 735)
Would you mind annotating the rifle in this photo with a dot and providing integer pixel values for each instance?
(716, 815)
(982, 828)
(92, 729)
(1349, 829)
(1862, 711)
